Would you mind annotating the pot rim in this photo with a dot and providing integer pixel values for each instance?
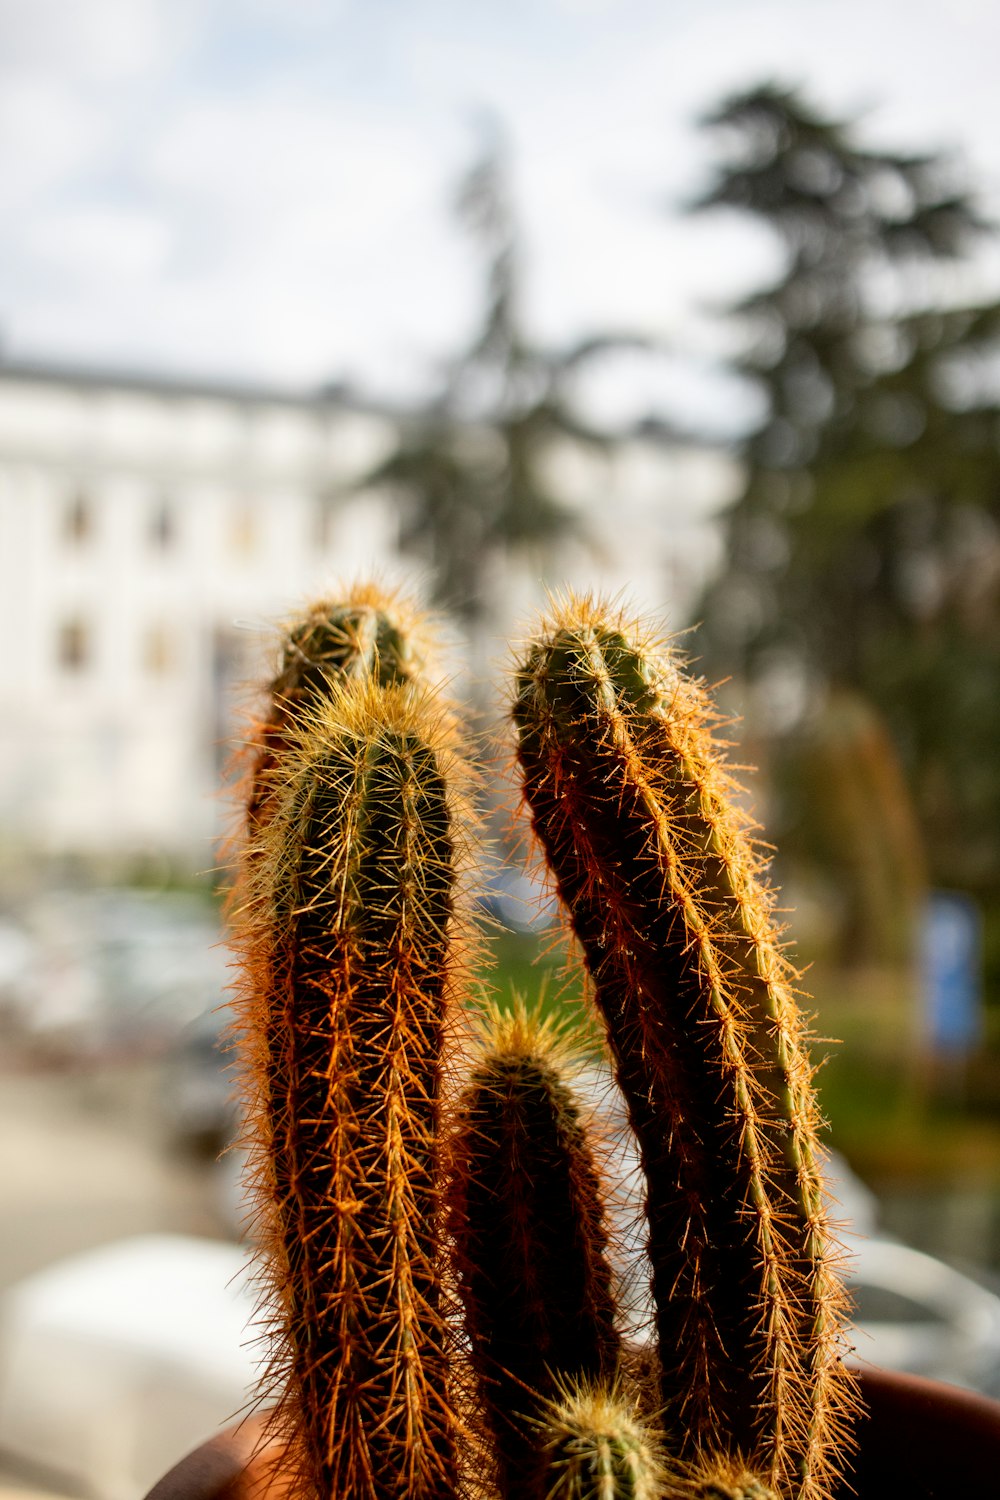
(907, 1421)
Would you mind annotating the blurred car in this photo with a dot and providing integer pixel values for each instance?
(117, 971)
(197, 1096)
(17, 956)
(512, 898)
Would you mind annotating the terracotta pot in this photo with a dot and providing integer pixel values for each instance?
(919, 1439)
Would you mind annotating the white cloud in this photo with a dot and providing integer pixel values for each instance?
(105, 242)
(624, 386)
(46, 136)
(247, 187)
(106, 40)
(259, 158)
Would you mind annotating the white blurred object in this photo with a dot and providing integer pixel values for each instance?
(115, 1363)
(16, 957)
(916, 1314)
(911, 1312)
(852, 1206)
(516, 900)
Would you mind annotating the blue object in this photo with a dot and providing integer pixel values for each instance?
(951, 968)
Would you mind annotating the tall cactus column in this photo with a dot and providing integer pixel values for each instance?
(637, 817)
(353, 917)
(365, 635)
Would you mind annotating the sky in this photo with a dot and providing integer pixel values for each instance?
(263, 189)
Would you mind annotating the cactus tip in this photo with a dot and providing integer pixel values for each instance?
(595, 1446)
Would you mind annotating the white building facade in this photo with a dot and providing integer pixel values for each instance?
(151, 532)
(148, 532)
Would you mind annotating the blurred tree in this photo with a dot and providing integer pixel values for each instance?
(864, 550)
(473, 468)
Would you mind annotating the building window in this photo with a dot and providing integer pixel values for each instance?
(235, 662)
(243, 531)
(158, 654)
(73, 646)
(78, 521)
(163, 527)
(324, 522)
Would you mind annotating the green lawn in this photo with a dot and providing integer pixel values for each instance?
(891, 1112)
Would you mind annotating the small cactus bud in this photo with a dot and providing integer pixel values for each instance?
(594, 1446)
(717, 1479)
(528, 1227)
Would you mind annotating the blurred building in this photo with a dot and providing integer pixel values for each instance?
(152, 529)
(148, 531)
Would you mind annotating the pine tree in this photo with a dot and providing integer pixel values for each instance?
(863, 552)
(472, 467)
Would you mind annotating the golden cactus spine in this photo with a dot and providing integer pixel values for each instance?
(352, 961)
(639, 821)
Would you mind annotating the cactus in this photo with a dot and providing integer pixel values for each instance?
(367, 633)
(638, 819)
(364, 634)
(527, 1218)
(446, 1321)
(732, 1482)
(596, 1446)
(353, 921)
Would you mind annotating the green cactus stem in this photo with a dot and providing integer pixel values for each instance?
(639, 821)
(596, 1447)
(528, 1228)
(352, 932)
